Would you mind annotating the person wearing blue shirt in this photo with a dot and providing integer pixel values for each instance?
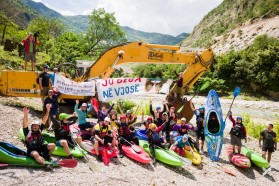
(82, 113)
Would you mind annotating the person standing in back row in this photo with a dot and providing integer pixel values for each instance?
(44, 82)
(268, 136)
(30, 50)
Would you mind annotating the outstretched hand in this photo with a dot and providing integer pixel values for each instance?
(77, 101)
(48, 106)
(25, 110)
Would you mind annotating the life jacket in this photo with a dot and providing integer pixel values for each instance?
(200, 123)
(237, 130)
(34, 140)
(124, 130)
(103, 130)
(154, 136)
(64, 129)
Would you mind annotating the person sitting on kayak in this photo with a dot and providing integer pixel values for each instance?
(126, 132)
(82, 113)
(113, 120)
(238, 132)
(181, 144)
(62, 132)
(103, 135)
(154, 138)
(34, 140)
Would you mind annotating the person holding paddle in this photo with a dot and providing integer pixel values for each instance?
(36, 148)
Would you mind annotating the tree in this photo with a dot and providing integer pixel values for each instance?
(103, 32)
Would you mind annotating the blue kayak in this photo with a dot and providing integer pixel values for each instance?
(141, 135)
(214, 125)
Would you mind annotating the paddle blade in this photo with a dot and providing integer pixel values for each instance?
(180, 109)
(106, 159)
(94, 167)
(236, 91)
(95, 104)
(69, 163)
(4, 165)
(205, 85)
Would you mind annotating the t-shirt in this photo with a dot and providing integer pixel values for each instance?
(52, 76)
(45, 79)
(268, 138)
(180, 142)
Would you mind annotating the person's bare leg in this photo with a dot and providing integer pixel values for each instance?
(202, 142)
(264, 154)
(51, 148)
(269, 156)
(96, 146)
(198, 142)
(43, 100)
(239, 149)
(78, 140)
(65, 146)
(37, 157)
(233, 147)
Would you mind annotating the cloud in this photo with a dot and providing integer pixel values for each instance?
(163, 16)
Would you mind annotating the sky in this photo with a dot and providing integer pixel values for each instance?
(163, 16)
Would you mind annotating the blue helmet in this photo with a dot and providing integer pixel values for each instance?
(158, 107)
(185, 136)
(202, 108)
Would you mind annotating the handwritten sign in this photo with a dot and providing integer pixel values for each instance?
(69, 87)
(117, 88)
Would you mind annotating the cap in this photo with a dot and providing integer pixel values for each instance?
(183, 119)
(46, 66)
(36, 122)
(128, 112)
(84, 105)
(107, 119)
(165, 114)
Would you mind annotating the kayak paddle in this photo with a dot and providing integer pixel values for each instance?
(90, 163)
(184, 160)
(204, 86)
(95, 104)
(4, 165)
(236, 92)
(134, 147)
(69, 163)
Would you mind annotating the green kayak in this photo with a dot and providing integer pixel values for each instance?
(59, 151)
(255, 158)
(13, 155)
(165, 156)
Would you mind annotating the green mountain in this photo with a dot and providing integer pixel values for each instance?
(26, 10)
(229, 15)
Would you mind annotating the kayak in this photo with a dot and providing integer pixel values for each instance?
(238, 159)
(195, 159)
(59, 151)
(141, 135)
(106, 151)
(214, 125)
(13, 155)
(141, 156)
(165, 156)
(255, 158)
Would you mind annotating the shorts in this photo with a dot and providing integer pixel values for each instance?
(43, 151)
(267, 149)
(30, 56)
(107, 139)
(44, 92)
(235, 140)
(86, 125)
(200, 135)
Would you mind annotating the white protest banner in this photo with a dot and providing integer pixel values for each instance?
(166, 87)
(117, 88)
(69, 87)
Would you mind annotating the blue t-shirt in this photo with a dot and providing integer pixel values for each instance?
(180, 142)
(52, 76)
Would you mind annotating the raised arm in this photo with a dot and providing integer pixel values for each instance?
(151, 110)
(90, 108)
(45, 118)
(109, 110)
(231, 118)
(142, 116)
(25, 117)
(119, 107)
(55, 122)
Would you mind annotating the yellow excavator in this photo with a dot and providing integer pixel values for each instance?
(23, 83)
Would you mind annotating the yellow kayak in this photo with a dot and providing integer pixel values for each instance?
(190, 156)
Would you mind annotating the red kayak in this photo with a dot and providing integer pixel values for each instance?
(140, 156)
(238, 159)
(106, 151)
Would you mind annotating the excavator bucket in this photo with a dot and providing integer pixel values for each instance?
(186, 111)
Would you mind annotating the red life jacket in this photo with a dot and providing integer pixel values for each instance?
(34, 140)
(124, 130)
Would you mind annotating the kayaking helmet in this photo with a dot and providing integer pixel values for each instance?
(183, 119)
(122, 117)
(152, 126)
(158, 107)
(107, 119)
(149, 119)
(202, 108)
(239, 117)
(36, 122)
(128, 112)
(185, 136)
(63, 116)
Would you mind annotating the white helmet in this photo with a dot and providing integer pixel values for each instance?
(36, 122)
(183, 119)
(107, 119)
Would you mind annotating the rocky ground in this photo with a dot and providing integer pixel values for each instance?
(123, 171)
